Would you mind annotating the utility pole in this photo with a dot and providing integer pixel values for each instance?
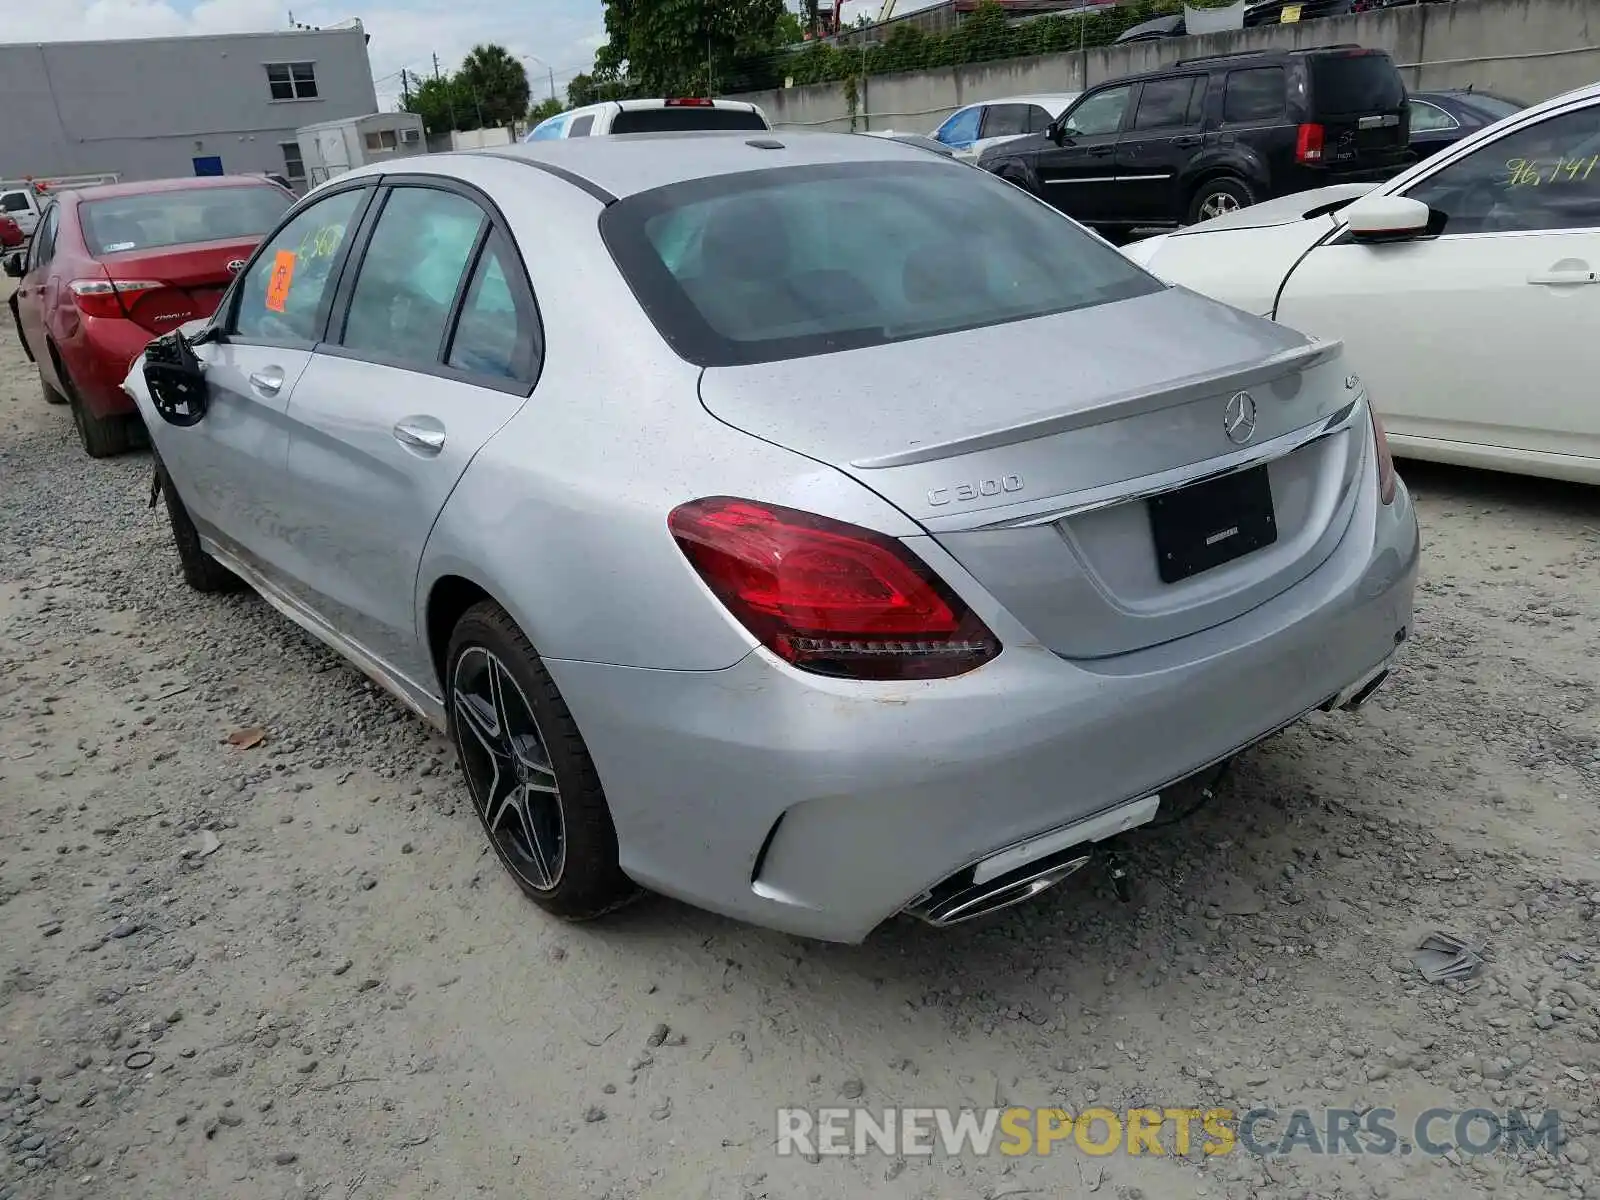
(405, 87)
(436, 67)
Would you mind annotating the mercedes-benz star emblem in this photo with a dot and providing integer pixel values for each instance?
(235, 266)
(1239, 418)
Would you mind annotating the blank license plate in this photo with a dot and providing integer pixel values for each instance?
(1211, 523)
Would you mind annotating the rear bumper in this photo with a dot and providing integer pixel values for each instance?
(98, 358)
(885, 789)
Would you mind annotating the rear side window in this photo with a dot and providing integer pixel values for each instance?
(1254, 95)
(666, 120)
(1004, 120)
(176, 218)
(581, 126)
(1342, 84)
(789, 262)
(1164, 103)
(420, 249)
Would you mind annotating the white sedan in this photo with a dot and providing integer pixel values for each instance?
(1468, 288)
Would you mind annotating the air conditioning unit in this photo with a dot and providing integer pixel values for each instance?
(411, 135)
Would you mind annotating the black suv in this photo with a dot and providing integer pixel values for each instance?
(1206, 136)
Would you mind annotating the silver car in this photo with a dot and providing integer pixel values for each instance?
(800, 525)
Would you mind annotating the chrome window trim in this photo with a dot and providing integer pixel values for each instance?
(1454, 124)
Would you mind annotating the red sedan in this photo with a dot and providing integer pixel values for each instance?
(10, 232)
(112, 267)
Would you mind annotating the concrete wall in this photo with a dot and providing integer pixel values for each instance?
(1527, 49)
(148, 108)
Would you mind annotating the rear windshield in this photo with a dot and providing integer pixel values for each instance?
(1355, 83)
(665, 120)
(1494, 107)
(13, 202)
(794, 261)
(158, 219)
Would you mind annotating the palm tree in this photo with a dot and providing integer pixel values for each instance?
(496, 83)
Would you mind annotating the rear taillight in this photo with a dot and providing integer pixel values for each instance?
(1387, 479)
(150, 303)
(1308, 144)
(688, 102)
(827, 597)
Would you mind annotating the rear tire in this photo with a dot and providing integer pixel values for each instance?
(533, 785)
(102, 437)
(200, 571)
(1218, 197)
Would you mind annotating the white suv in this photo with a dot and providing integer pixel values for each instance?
(648, 116)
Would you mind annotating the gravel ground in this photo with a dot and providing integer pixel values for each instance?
(292, 969)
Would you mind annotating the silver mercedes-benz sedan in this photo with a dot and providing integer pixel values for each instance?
(801, 525)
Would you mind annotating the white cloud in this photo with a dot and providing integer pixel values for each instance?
(404, 33)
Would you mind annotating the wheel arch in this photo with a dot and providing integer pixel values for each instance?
(447, 601)
(1246, 168)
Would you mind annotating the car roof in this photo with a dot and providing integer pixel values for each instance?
(629, 163)
(1030, 98)
(144, 187)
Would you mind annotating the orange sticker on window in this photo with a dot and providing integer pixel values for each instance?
(278, 284)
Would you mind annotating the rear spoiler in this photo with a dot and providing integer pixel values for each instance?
(1195, 387)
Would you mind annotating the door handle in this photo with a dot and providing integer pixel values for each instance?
(1187, 140)
(423, 434)
(268, 382)
(1563, 278)
(1102, 151)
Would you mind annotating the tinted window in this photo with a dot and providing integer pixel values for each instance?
(789, 262)
(1038, 119)
(1164, 103)
(1101, 113)
(280, 298)
(1254, 95)
(1003, 120)
(1425, 117)
(1342, 84)
(1492, 107)
(498, 332)
(581, 126)
(961, 129)
(1546, 176)
(658, 120)
(175, 218)
(44, 236)
(13, 202)
(410, 274)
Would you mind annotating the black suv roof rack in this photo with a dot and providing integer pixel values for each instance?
(1271, 52)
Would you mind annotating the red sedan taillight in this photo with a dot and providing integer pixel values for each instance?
(1387, 479)
(827, 597)
(149, 303)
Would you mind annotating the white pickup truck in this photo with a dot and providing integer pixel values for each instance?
(22, 199)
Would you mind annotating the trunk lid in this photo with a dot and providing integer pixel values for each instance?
(196, 275)
(1030, 451)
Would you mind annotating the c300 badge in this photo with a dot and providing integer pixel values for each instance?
(962, 493)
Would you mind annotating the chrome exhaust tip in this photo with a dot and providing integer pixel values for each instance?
(962, 898)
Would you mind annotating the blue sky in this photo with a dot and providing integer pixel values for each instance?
(560, 35)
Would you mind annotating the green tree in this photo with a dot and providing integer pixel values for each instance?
(679, 47)
(496, 83)
(544, 110)
(439, 103)
(789, 30)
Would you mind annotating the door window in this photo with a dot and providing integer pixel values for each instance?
(44, 238)
(281, 297)
(1164, 103)
(410, 275)
(1543, 176)
(1099, 114)
(581, 126)
(498, 333)
(1254, 95)
(961, 129)
(1005, 120)
(1426, 118)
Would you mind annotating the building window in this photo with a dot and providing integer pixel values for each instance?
(294, 167)
(382, 139)
(292, 81)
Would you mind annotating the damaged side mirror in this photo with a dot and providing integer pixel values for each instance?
(176, 379)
